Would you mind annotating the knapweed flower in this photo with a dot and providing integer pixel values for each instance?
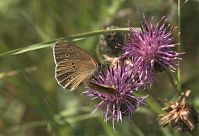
(115, 88)
(180, 115)
(151, 49)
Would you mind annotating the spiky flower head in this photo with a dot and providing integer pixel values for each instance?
(111, 43)
(115, 88)
(151, 49)
(180, 115)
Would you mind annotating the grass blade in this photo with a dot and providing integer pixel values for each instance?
(71, 38)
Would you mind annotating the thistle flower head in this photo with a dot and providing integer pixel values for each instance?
(180, 115)
(111, 43)
(114, 88)
(152, 48)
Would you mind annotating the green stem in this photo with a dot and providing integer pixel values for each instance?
(98, 32)
(71, 38)
(172, 80)
(25, 126)
(179, 46)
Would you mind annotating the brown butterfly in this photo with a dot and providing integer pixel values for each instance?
(73, 65)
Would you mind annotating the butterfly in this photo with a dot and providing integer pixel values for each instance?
(102, 88)
(73, 65)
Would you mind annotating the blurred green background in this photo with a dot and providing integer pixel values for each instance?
(31, 101)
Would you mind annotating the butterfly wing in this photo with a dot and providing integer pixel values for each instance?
(73, 65)
(102, 88)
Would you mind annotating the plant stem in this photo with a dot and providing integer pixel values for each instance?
(98, 32)
(172, 80)
(179, 46)
(70, 38)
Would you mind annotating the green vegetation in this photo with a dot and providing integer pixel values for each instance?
(31, 101)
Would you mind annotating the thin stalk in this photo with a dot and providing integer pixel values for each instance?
(70, 38)
(98, 32)
(179, 46)
(172, 80)
(29, 125)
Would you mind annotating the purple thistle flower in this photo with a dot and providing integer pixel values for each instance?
(151, 49)
(118, 99)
